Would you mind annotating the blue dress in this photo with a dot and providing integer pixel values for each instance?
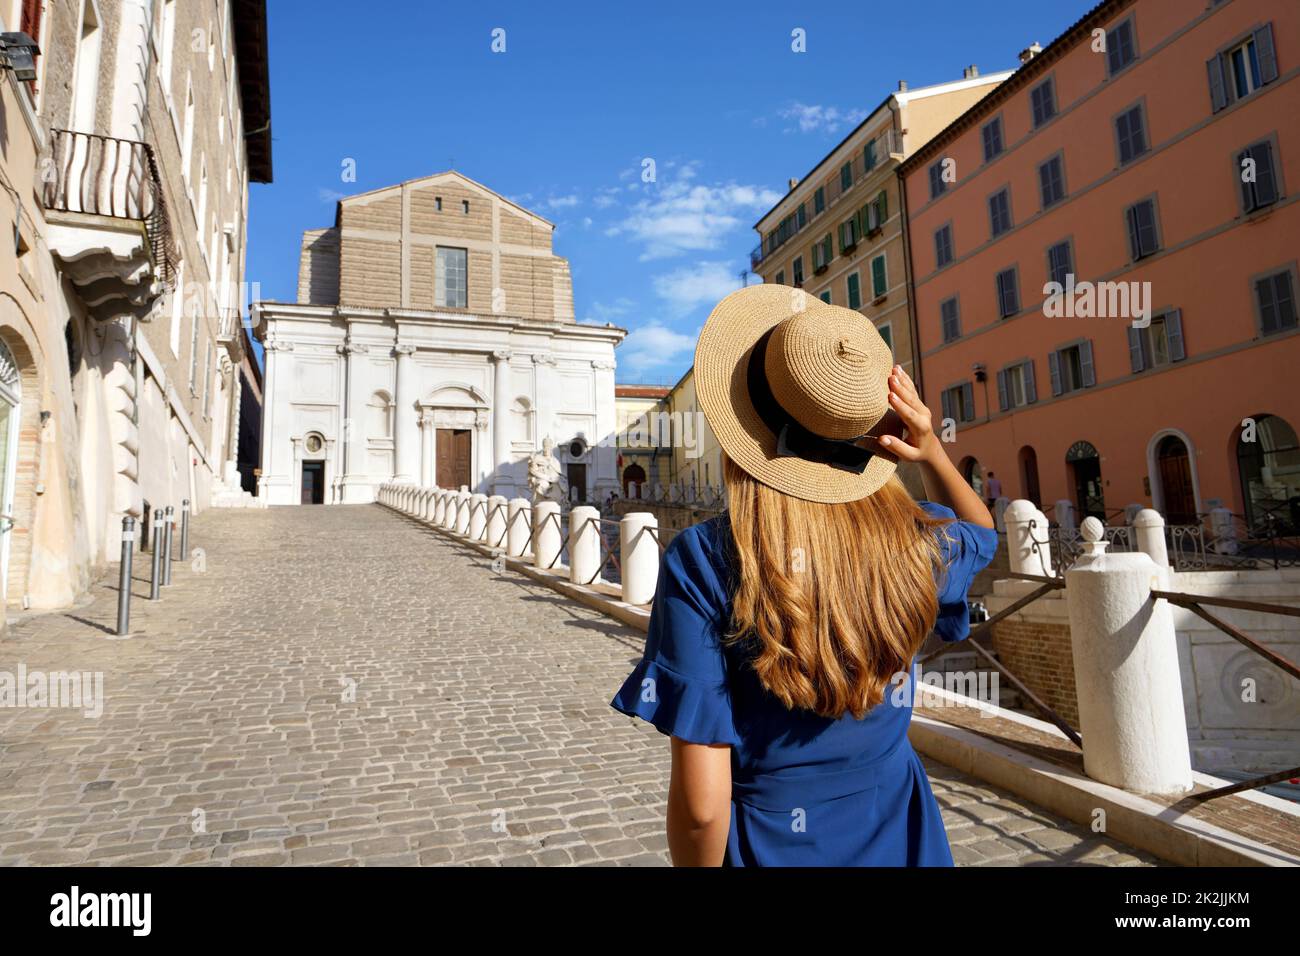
(806, 790)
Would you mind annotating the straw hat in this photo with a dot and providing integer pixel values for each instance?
(787, 382)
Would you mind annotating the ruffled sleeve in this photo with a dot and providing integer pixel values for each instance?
(680, 685)
(965, 549)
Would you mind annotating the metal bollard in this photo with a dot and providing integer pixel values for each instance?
(168, 521)
(185, 530)
(124, 576)
(155, 572)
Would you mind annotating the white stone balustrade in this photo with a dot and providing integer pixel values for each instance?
(639, 556)
(584, 545)
(496, 522)
(518, 527)
(547, 539)
(462, 512)
(477, 516)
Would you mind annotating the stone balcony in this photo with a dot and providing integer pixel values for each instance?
(108, 223)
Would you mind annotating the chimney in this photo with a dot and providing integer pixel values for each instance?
(902, 86)
(970, 72)
(1030, 52)
(791, 183)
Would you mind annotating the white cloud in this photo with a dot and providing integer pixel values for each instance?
(609, 311)
(702, 284)
(330, 195)
(562, 202)
(680, 216)
(812, 118)
(654, 346)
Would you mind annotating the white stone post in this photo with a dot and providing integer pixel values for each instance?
(584, 544)
(999, 513)
(1149, 526)
(462, 512)
(1065, 515)
(547, 539)
(639, 556)
(495, 535)
(477, 515)
(429, 495)
(1027, 543)
(1126, 672)
(1223, 531)
(517, 527)
(450, 503)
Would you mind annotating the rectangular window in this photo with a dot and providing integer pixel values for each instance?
(437, 203)
(801, 217)
(1000, 212)
(855, 291)
(887, 333)
(949, 319)
(1142, 238)
(1042, 102)
(1008, 293)
(992, 134)
(943, 246)
(464, 205)
(1261, 189)
(822, 255)
(819, 200)
(1275, 296)
(958, 402)
(1071, 368)
(1159, 343)
(846, 176)
(1060, 263)
(826, 297)
(1121, 46)
(1243, 69)
(869, 154)
(848, 234)
(1051, 181)
(780, 278)
(1016, 386)
(796, 270)
(937, 183)
(1130, 135)
(879, 277)
(450, 284)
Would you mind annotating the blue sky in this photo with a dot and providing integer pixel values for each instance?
(562, 121)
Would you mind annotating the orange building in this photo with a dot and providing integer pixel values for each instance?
(1142, 162)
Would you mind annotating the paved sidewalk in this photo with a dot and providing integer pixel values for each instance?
(342, 686)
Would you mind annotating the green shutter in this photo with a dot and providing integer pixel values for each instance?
(878, 276)
(883, 202)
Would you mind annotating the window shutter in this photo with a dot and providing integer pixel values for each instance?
(1218, 93)
(1031, 387)
(1135, 349)
(1248, 202)
(1085, 363)
(1265, 181)
(883, 200)
(878, 280)
(1174, 331)
(1054, 370)
(1267, 306)
(1002, 390)
(1134, 242)
(967, 402)
(1266, 54)
(945, 403)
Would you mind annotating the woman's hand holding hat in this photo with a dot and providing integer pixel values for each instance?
(921, 444)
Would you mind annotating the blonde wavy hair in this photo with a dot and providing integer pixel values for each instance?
(836, 598)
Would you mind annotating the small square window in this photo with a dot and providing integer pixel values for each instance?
(1051, 181)
(1121, 47)
(1042, 102)
(999, 212)
(943, 246)
(992, 135)
(1130, 134)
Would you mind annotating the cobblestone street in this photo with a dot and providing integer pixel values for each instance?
(340, 685)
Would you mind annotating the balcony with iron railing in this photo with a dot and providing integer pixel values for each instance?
(109, 223)
(884, 148)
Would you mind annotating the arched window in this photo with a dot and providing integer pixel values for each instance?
(1268, 463)
(379, 414)
(521, 419)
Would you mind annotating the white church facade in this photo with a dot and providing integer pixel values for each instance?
(433, 342)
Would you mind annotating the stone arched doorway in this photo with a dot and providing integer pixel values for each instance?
(973, 472)
(1029, 488)
(1083, 464)
(1173, 467)
(633, 480)
(453, 422)
(1268, 466)
(20, 431)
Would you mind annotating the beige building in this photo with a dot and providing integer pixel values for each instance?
(642, 464)
(839, 232)
(127, 160)
(433, 342)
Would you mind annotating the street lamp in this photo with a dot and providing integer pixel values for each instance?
(18, 52)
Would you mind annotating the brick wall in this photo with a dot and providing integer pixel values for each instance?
(1039, 654)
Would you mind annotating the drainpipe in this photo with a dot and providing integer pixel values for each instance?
(912, 325)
